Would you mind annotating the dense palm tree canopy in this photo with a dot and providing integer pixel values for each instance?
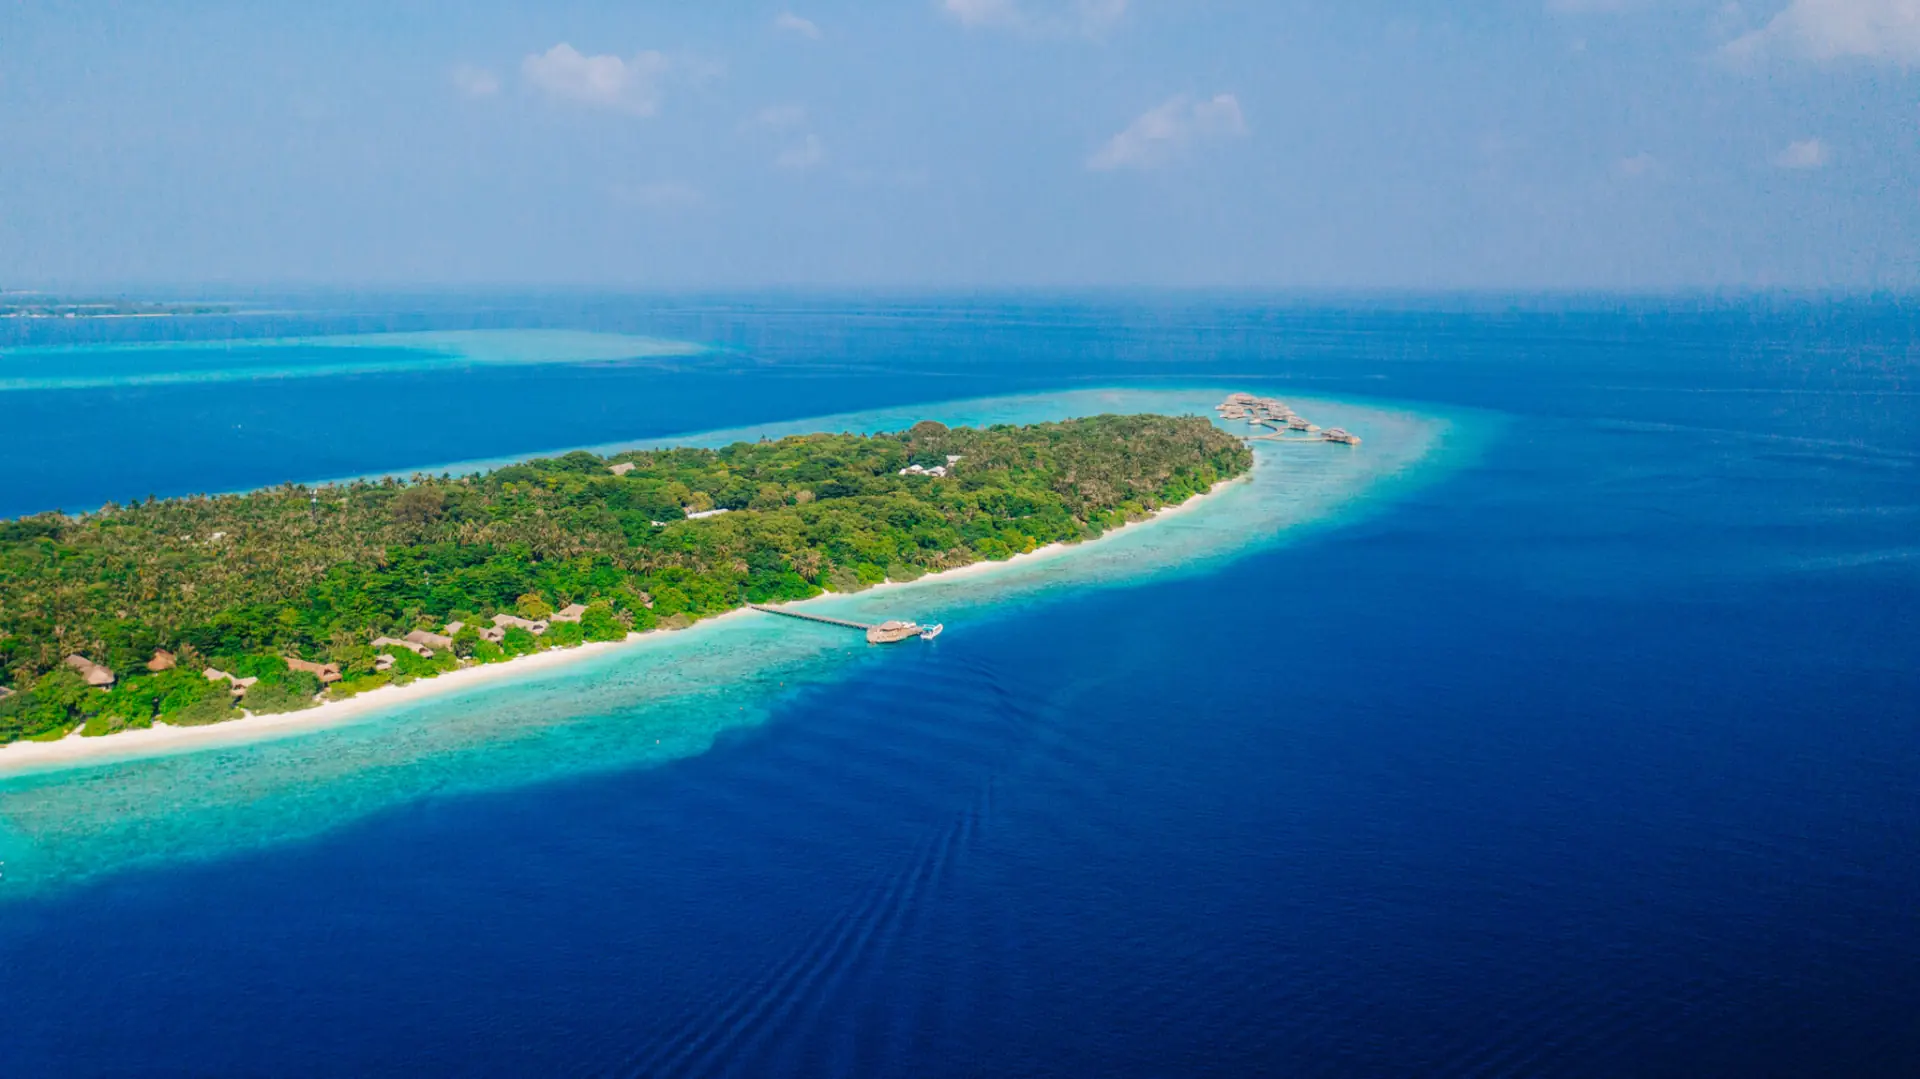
(242, 583)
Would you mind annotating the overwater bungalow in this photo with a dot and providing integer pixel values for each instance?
(94, 673)
(891, 631)
(1341, 435)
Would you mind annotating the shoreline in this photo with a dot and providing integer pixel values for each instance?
(160, 739)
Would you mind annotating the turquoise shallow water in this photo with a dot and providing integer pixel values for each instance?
(159, 363)
(1583, 745)
(669, 696)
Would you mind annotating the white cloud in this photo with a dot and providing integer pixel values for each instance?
(804, 155)
(606, 82)
(795, 24)
(1639, 165)
(1091, 18)
(1804, 154)
(1885, 30)
(1164, 131)
(1001, 13)
(475, 81)
(787, 124)
(666, 195)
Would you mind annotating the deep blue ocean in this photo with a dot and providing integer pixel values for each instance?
(1597, 755)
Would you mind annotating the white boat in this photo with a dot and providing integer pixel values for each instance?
(928, 633)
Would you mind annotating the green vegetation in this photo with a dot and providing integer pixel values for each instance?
(238, 582)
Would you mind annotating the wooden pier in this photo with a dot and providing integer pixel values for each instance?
(885, 633)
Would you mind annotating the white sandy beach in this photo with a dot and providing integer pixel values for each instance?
(161, 739)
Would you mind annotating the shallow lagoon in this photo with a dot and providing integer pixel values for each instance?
(669, 696)
(1594, 756)
(157, 363)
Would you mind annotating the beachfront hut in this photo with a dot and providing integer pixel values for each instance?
(429, 639)
(328, 673)
(162, 660)
(236, 686)
(95, 674)
(502, 621)
(382, 663)
(415, 647)
(570, 613)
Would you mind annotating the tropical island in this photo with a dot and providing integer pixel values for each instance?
(195, 611)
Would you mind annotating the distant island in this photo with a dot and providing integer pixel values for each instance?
(194, 611)
(35, 305)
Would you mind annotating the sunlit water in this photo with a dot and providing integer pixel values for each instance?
(668, 695)
(1578, 739)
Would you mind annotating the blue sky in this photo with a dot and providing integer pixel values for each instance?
(1636, 144)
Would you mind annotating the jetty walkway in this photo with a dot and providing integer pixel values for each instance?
(884, 633)
(1275, 415)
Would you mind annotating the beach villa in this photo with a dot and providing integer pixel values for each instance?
(94, 673)
(429, 639)
(415, 647)
(328, 673)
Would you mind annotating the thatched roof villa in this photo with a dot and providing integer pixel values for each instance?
(429, 639)
(328, 673)
(94, 673)
(415, 647)
(239, 685)
(502, 621)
